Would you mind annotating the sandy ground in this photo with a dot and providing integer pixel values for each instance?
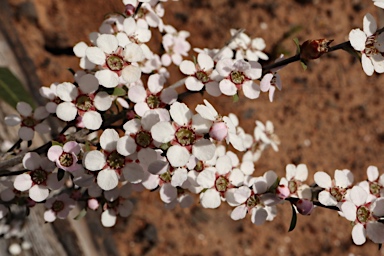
(327, 117)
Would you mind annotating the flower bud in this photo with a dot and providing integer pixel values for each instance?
(304, 206)
(219, 131)
(282, 191)
(313, 49)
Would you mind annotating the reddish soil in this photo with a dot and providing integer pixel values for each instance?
(327, 117)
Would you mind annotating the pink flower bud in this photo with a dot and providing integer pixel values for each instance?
(93, 204)
(129, 10)
(304, 206)
(282, 191)
(219, 131)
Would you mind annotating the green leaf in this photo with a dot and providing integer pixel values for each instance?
(118, 91)
(12, 90)
(56, 143)
(304, 65)
(293, 220)
(81, 214)
(235, 98)
(296, 41)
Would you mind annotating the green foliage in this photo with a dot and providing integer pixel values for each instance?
(12, 90)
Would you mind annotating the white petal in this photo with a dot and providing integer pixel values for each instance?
(158, 167)
(107, 179)
(32, 161)
(137, 93)
(66, 111)
(357, 39)
(95, 55)
(187, 67)
(24, 108)
(131, 74)
(133, 53)
(206, 178)
(367, 65)
(375, 231)
(26, 133)
(210, 199)
(358, 234)
(259, 216)
(92, 120)
(23, 182)
(133, 172)
(38, 193)
(107, 78)
(373, 173)
(94, 160)
(301, 172)
(108, 140)
(203, 149)
(358, 195)
(349, 210)
(323, 179)
(67, 91)
(168, 193)
(369, 24)
(179, 177)
(251, 90)
(126, 146)
(178, 156)
(239, 212)
(326, 199)
(205, 61)
(12, 120)
(108, 43)
(163, 132)
(180, 113)
(79, 49)
(108, 218)
(88, 83)
(227, 87)
(102, 101)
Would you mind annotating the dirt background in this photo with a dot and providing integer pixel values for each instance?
(328, 117)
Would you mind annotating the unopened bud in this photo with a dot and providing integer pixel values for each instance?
(304, 206)
(313, 49)
(129, 10)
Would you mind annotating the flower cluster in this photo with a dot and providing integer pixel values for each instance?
(147, 139)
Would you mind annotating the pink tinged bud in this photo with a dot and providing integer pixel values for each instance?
(129, 10)
(219, 131)
(313, 49)
(93, 204)
(282, 191)
(304, 206)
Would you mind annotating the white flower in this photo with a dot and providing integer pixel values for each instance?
(58, 207)
(175, 45)
(185, 134)
(40, 179)
(30, 120)
(364, 215)
(239, 74)
(370, 44)
(375, 184)
(334, 190)
(295, 176)
(247, 48)
(265, 134)
(201, 74)
(112, 162)
(118, 204)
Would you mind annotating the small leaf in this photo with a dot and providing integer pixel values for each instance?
(304, 65)
(296, 41)
(118, 91)
(60, 174)
(235, 98)
(81, 214)
(56, 143)
(11, 89)
(293, 220)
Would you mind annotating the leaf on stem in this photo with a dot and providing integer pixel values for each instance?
(118, 91)
(81, 214)
(296, 41)
(293, 220)
(11, 89)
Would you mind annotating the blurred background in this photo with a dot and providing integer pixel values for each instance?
(328, 117)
